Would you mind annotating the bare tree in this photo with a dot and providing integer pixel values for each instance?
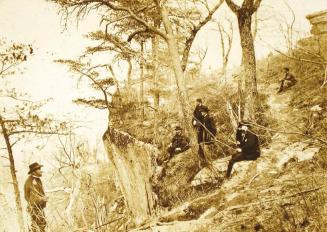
(226, 40)
(244, 16)
(19, 116)
(138, 13)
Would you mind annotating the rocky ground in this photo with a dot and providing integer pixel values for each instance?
(278, 192)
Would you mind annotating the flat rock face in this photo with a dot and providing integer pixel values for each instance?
(133, 161)
(319, 22)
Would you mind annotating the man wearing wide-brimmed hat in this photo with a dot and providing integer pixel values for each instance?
(35, 197)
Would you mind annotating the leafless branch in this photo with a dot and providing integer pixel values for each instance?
(195, 30)
(235, 8)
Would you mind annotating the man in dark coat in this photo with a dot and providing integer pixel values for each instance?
(197, 120)
(35, 197)
(206, 134)
(288, 80)
(179, 143)
(248, 146)
(208, 126)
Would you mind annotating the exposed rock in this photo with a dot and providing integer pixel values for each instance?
(298, 152)
(316, 108)
(134, 164)
(318, 21)
(144, 184)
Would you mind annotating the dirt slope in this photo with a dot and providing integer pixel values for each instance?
(278, 192)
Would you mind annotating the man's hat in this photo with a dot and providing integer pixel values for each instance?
(286, 68)
(34, 166)
(178, 128)
(199, 100)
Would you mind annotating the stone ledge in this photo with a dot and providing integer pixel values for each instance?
(318, 22)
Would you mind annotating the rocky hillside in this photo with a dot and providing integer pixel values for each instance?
(285, 189)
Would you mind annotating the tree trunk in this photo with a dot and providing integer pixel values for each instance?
(176, 66)
(248, 65)
(224, 71)
(13, 175)
(156, 96)
(142, 81)
(129, 77)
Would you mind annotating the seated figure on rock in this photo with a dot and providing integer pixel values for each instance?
(179, 143)
(248, 146)
(288, 80)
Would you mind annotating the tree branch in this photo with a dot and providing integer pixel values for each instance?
(256, 5)
(134, 16)
(97, 84)
(195, 30)
(36, 132)
(139, 31)
(235, 8)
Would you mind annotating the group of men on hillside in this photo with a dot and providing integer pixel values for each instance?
(247, 142)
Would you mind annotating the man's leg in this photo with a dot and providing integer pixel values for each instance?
(42, 222)
(203, 160)
(200, 134)
(281, 86)
(235, 158)
(38, 220)
(33, 214)
(171, 151)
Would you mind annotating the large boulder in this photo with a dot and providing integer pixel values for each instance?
(145, 177)
(318, 22)
(134, 165)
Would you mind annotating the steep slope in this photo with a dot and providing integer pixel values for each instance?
(283, 190)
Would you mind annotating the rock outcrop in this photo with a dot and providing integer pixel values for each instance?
(133, 161)
(146, 186)
(318, 21)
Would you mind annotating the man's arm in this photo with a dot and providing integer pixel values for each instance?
(251, 142)
(185, 144)
(213, 128)
(27, 190)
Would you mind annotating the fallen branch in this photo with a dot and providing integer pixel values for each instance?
(291, 133)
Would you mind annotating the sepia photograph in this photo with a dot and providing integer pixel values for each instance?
(163, 115)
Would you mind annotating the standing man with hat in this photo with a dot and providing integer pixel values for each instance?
(206, 134)
(35, 197)
(197, 120)
(208, 127)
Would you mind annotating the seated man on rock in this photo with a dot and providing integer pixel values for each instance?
(179, 143)
(288, 80)
(248, 146)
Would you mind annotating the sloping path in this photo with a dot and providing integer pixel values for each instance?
(262, 179)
